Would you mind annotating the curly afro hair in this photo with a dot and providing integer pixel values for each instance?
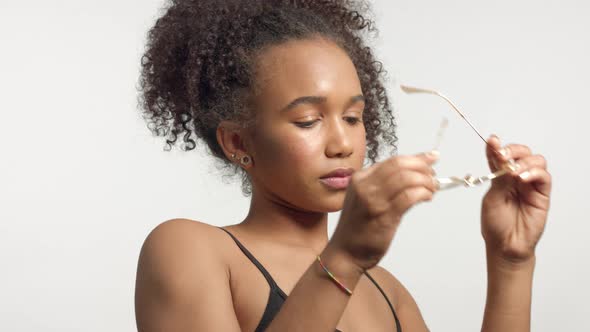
(198, 66)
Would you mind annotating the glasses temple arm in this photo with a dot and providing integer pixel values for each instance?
(410, 89)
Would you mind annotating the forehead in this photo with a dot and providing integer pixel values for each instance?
(301, 67)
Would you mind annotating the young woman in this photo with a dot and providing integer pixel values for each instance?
(286, 94)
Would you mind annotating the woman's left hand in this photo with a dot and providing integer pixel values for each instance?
(514, 210)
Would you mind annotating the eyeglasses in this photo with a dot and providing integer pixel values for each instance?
(468, 180)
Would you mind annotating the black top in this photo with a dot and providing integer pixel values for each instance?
(276, 297)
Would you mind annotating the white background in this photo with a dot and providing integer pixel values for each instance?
(83, 181)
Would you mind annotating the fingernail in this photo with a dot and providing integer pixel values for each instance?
(494, 163)
(436, 182)
(513, 166)
(524, 175)
(517, 166)
(503, 152)
(434, 154)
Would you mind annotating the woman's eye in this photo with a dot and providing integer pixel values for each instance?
(305, 124)
(352, 120)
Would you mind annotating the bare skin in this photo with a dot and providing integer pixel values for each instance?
(192, 276)
(234, 293)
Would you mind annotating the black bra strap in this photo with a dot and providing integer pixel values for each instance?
(397, 323)
(273, 285)
(271, 282)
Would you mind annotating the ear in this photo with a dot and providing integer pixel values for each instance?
(232, 139)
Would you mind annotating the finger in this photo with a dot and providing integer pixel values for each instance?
(529, 162)
(407, 198)
(539, 178)
(492, 157)
(499, 156)
(430, 157)
(405, 179)
(514, 151)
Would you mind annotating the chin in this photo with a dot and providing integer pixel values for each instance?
(333, 202)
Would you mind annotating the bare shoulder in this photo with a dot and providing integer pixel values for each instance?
(178, 226)
(182, 281)
(177, 234)
(175, 242)
(390, 284)
(405, 306)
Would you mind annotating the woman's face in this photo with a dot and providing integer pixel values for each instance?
(306, 83)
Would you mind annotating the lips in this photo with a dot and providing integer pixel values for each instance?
(336, 182)
(339, 173)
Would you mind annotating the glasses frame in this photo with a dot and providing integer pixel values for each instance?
(468, 180)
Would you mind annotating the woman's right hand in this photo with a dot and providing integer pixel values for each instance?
(376, 199)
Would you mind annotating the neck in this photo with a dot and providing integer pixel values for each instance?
(279, 221)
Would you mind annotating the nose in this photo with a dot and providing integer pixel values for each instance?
(338, 139)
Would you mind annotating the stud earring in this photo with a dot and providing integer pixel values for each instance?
(245, 160)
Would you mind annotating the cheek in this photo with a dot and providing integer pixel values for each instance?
(283, 148)
(301, 154)
(363, 146)
(289, 148)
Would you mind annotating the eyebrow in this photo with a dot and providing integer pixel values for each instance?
(318, 100)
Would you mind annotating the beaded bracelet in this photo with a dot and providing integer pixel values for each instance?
(344, 288)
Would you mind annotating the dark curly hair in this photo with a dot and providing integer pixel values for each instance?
(198, 66)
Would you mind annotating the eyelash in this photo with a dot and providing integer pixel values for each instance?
(307, 125)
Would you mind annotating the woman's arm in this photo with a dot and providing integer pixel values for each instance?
(316, 303)
(508, 303)
(175, 295)
(182, 283)
(513, 217)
